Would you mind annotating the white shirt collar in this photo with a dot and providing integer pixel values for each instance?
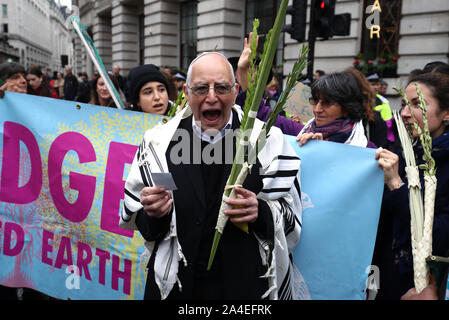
(211, 135)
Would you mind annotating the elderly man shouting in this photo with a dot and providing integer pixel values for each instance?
(197, 147)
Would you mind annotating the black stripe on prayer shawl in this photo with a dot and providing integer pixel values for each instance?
(289, 217)
(274, 190)
(170, 259)
(143, 176)
(283, 157)
(155, 156)
(128, 212)
(138, 152)
(297, 187)
(285, 291)
(142, 171)
(129, 194)
(281, 174)
(297, 221)
(146, 174)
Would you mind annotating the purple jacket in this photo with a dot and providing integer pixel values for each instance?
(287, 125)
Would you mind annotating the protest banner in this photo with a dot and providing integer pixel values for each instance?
(341, 188)
(63, 167)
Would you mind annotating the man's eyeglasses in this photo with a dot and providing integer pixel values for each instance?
(220, 89)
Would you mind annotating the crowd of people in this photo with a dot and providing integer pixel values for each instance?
(349, 107)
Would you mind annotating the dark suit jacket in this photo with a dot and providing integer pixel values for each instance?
(237, 266)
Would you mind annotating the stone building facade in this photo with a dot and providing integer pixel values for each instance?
(38, 30)
(172, 32)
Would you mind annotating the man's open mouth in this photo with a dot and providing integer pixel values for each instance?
(211, 115)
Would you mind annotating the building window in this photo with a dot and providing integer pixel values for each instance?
(4, 10)
(265, 11)
(5, 27)
(188, 32)
(381, 52)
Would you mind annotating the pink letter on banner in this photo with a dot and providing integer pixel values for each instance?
(9, 183)
(103, 256)
(65, 249)
(125, 274)
(46, 247)
(79, 210)
(114, 187)
(83, 262)
(20, 239)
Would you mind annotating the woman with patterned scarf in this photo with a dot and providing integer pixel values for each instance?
(338, 107)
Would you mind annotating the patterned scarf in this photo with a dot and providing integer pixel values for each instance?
(340, 126)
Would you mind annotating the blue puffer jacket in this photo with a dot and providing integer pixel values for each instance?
(393, 253)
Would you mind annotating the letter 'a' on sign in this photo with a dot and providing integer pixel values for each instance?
(376, 6)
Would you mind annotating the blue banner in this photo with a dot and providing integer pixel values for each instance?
(63, 167)
(342, 187)
(447, 290)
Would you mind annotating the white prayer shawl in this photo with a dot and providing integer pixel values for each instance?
(356, 138)
(282, 195)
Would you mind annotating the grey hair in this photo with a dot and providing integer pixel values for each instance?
(189, 71)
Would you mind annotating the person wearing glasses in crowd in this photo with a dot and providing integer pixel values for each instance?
(338, 107)
(197, 147)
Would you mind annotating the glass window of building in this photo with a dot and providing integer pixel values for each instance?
(265, 11)
(4, 10)
(188, 33)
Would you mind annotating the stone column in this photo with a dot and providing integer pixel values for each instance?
(161, 33)
(102, 38)
(221, 26)
(125, 36)
(78, 59)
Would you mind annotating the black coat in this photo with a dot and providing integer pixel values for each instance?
(70, 87)
(376, 130)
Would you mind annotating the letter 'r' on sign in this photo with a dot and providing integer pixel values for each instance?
(375, 30)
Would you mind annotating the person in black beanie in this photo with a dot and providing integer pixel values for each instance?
(148, 90)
